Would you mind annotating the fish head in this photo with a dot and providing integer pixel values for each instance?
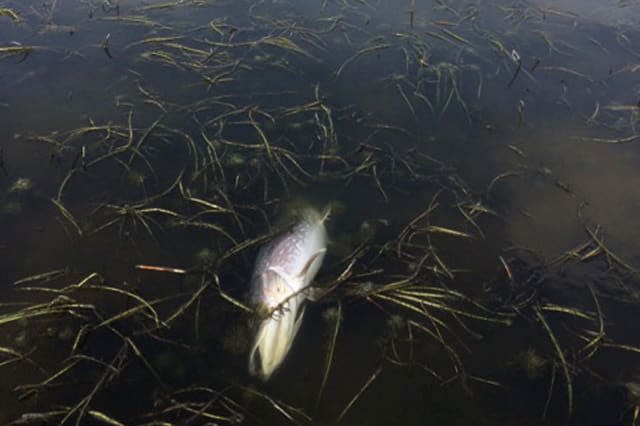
(272, 288)
(274, 337)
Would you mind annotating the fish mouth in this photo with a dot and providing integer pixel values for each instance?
(274, 338)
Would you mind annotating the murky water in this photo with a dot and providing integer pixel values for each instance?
(480, 158)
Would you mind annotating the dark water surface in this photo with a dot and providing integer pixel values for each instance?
(480, 158)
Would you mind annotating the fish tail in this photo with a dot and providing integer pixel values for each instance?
(326, 214)
(312, 215)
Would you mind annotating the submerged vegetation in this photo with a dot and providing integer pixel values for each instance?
(135, 197)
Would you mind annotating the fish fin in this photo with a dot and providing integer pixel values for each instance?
(273, 270)
(307, 265)
(254, 354)
(277, 271)
(298, 322)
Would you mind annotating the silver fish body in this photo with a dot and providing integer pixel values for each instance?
(283, 270)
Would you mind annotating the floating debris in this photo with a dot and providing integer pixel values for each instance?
(21, 185)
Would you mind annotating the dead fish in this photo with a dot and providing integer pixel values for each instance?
(283, 273)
